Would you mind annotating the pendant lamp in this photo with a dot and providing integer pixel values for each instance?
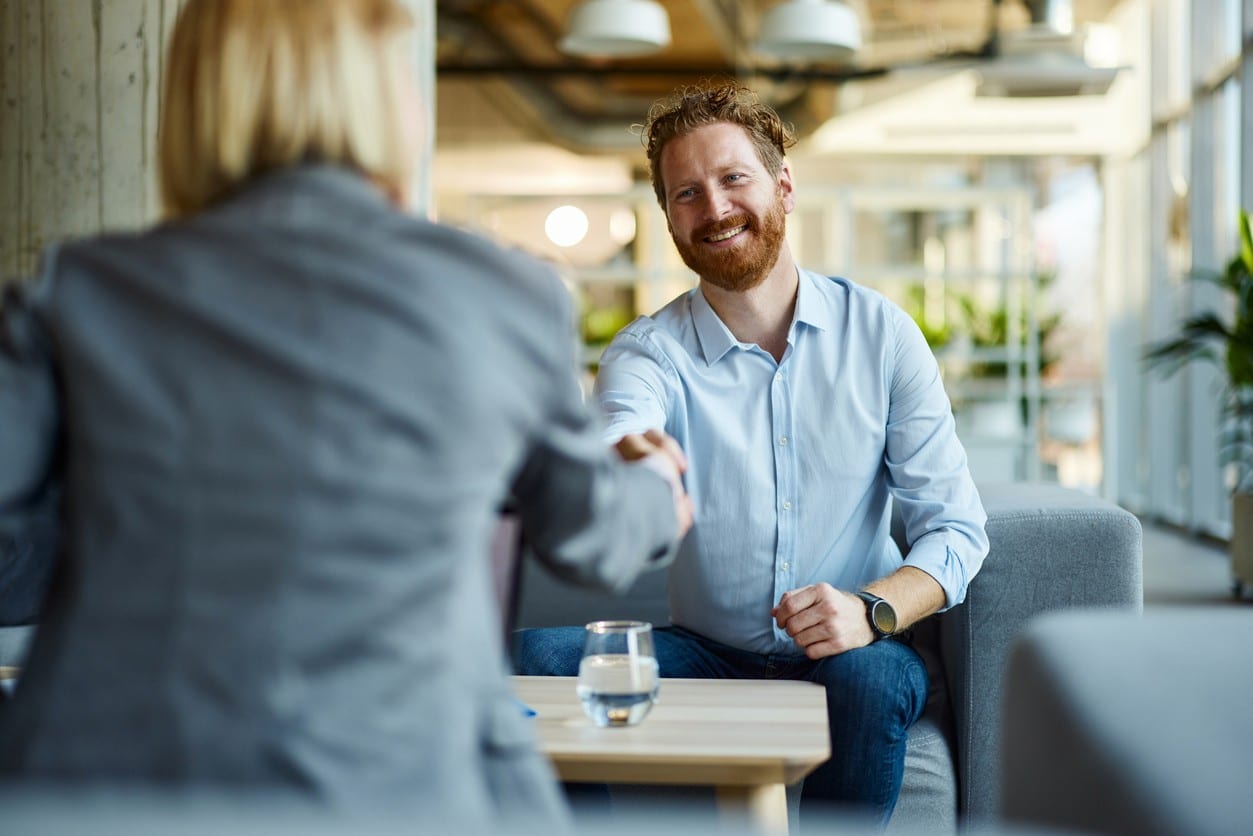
(616, 28)
(809, 30)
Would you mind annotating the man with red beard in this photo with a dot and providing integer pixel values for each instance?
(806, 405)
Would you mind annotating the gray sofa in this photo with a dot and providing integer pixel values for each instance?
(1051, 549)
(1118, 723)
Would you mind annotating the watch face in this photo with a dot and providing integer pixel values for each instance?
(884, 617)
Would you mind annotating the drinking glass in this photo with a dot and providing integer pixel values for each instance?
(618, 679)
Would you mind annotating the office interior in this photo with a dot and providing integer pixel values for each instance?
(1038, 211)
(1036, 182)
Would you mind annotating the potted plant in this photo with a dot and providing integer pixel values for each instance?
(989, 325)
(980, 336)
(1210, 337)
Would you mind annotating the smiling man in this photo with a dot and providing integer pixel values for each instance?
(806, 405)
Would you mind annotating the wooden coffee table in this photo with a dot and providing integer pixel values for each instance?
(747, 738)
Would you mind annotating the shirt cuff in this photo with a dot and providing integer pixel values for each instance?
(941, 562)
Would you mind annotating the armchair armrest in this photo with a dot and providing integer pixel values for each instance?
(1050, 548)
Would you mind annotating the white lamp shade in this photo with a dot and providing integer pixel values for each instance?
(809, 30)
(616, 28)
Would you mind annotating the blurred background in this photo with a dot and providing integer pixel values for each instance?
(1033, 181)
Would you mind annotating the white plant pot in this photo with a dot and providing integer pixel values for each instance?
(1242, 540)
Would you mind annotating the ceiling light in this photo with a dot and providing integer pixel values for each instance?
(622, 226)
(809, 30)
(616, 28)
(1042, 62)
(566, 225)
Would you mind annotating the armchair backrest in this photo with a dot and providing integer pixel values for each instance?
(1051, 548)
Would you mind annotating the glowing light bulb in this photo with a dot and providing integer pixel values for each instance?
(566, 225)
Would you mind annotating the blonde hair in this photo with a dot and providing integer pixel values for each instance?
(255, 85)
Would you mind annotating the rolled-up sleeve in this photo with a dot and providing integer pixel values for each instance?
(632, 384)
(29, 422)
(928, 472)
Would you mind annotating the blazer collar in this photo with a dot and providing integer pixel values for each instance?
(303, 192)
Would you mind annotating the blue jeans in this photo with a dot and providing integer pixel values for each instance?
(874, 694)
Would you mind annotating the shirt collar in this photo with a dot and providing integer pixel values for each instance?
(811, 307)
(716, 339)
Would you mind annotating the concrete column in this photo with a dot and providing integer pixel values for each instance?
(423, 12)
(79, 82)
(80, 85)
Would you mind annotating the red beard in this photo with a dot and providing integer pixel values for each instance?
(741, 267)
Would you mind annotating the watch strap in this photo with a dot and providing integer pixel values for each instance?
(871, 600)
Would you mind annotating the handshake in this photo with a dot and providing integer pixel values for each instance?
(660, 453)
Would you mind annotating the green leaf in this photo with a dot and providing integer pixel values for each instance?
(1207, 337)
(1246, 242)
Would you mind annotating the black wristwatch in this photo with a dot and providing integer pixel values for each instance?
(880, 614)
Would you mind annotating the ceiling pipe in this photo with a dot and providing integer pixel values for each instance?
(525, 94)
(603, 131)
(779, 74)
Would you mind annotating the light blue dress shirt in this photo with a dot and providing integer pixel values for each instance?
(793, 465)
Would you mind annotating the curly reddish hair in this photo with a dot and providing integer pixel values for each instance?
(694, 107)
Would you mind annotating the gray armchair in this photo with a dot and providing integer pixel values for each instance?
(1051, 549)
(1120, 723)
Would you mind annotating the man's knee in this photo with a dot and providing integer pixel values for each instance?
(878, 674)
(548, 651)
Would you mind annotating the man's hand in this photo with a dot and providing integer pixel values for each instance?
(637, 446)
(659, 452)
(822, 620)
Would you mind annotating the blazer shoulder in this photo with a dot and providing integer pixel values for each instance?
(484, 266)
(477, 247)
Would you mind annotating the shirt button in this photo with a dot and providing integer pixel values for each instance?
(783, 440)
(787, 505)
(785, 566)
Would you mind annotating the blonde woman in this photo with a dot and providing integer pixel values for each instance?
(281, 423)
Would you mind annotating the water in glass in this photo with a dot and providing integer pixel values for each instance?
(618, 678)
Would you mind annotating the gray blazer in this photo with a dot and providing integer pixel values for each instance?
(281, 431)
